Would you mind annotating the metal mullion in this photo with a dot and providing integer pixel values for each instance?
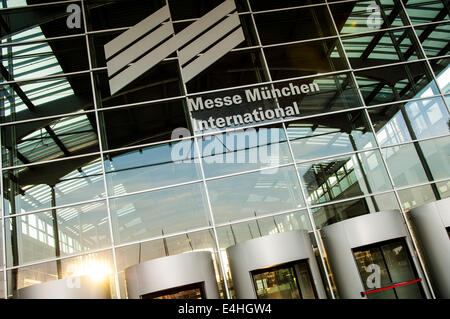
(421, 265)
(99, 138)
(299, 180)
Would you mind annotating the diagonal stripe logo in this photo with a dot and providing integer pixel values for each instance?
(198, 46)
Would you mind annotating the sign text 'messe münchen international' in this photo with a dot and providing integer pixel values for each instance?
(249, 96)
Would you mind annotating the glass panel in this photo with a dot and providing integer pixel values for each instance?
(423, 11)
(302, 59)
(53, 184)
(240, 232)
(344, 177)
(57, 233)
(305, 281)
(385, 264)
(98, 266)
(401, 270)
(132, 126)
(402, 122)
(394, 83)
(330, 214)
(383, 47)
(434, 39)
(441, 68)
(136, 11)
(329, 135)
(362, 16)
(294, 25)
(134, 254)
(417, 196)
(43, 58)
(321, 94)
(41, 98)
(50, 139)
(259, 193)
(162, 81)
(23, 24)
(151, 167)
(405, 165)
(437, 155)
(235, 68)
(244, 150)
(444, 189)
(160, 212)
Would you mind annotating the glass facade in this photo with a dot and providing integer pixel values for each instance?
(326, 110)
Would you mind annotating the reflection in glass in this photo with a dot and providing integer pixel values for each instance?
(39, 141)
(416, 196)
(330, 214)
(259, 193)
(380, 48)
(244, 150)
(331, 93)
(240, 232)
(239, 68)
(437, 154)
(394, 83)
(294, 25)
(57, 233)
(53, 184)
(441, 68)
(358, 16)
(344, 177)
(386, 264)
(329, 135)
(403, 122)
(434, 38)
(132, 126)
(151, 167)
(302, 59)
(35, 99)
(159, 212)
(405, 165)
(98, 266)
(423, 11)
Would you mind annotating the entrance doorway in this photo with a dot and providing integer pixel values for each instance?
(387, 272)
(287, 281)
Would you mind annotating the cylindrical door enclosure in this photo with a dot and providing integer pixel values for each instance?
(261, 266)
(431, 223)
(188, 275)
(370, 252)
(76, 287)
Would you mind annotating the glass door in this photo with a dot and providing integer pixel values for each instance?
(384, 265)
(287, 281)
(194, 291)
